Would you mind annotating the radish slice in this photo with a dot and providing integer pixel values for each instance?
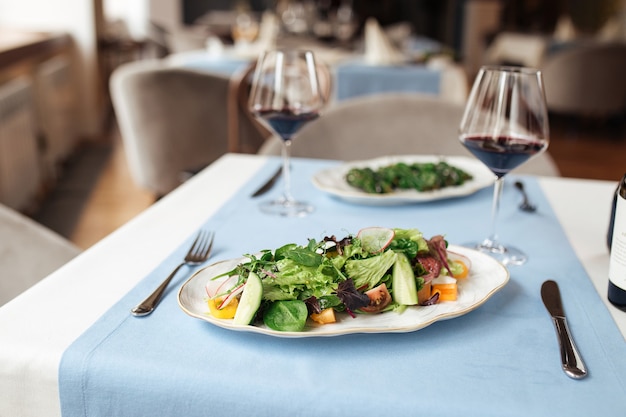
(216, 287)
(375, 239)
(458, 257)
(234, 293)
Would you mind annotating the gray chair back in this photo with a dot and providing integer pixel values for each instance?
(28, 253)
(246, 133)
(389, 124)
(172, 120)
(587, 79)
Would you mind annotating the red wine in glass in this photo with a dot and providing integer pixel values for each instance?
(501, 154)
(285, 122)
(505, 123)
(286, 94)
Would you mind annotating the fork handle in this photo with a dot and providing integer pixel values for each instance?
(148, 305)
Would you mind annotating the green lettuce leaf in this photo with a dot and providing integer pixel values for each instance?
(368, 272)
(293, 280)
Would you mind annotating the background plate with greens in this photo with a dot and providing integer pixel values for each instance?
(333, 180)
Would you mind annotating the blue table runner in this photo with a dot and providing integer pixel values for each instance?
(359, 79)
(499, 360)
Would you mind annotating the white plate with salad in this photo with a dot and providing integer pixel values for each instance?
(486, 276)
(333, 180)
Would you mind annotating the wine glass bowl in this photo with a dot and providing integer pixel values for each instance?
(505, 123)
(286, 94)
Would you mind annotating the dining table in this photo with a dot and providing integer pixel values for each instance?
(70, 347)
(352, 75)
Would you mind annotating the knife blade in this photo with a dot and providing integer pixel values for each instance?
(571, 361)
(269, 183)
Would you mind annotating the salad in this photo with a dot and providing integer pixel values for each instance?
(378, 270)
(403, 176)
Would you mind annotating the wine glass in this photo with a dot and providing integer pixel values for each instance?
(505, 124)
(245, 29)
(286, 94)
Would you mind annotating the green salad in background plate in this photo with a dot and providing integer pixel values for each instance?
(419, 188)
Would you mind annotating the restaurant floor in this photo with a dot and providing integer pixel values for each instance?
(96, 194)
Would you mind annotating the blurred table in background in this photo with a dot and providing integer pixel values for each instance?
(352, 77)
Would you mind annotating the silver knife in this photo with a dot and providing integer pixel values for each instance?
(269, 184)
(571, 361)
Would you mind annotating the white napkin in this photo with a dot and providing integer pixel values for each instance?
(611, 31)
(521, 48)
(565, 29)
(268, 31)
(378, 48)
(266, 40)
(214, 46)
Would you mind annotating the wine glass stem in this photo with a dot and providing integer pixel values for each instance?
(495, 208)
(286, 153)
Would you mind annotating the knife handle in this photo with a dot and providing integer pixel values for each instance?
(571, 361)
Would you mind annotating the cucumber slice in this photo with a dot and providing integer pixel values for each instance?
(403, 281)
(250, 300)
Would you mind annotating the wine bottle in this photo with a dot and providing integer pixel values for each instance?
(617, 249)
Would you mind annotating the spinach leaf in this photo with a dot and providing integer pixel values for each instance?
(304, 256)
(286, 316)
(281, 253)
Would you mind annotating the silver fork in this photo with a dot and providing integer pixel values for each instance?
(526, 205)
(198, 253)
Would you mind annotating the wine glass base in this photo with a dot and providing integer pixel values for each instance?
(286, 208)
(507, 255)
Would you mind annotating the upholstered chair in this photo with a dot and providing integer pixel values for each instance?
(586, 79)
(172, 121)
(28, 253)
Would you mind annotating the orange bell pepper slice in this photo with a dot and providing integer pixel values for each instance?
(446, 287)
(324, 317)
(226, 312)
